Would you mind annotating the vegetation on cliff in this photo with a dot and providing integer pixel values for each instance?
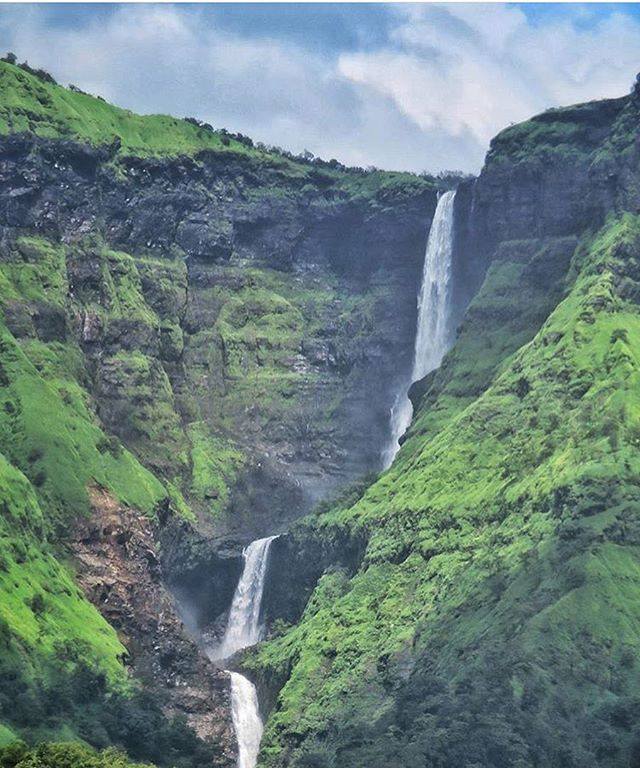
(494, 618)
(42, 107)
(154, 347)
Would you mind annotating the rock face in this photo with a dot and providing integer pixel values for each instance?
(119, 571)
(558, 174)
(272, 317)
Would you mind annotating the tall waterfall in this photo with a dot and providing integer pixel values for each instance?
(244, 629)
(433, 331)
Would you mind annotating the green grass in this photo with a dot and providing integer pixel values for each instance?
(215, 468)
(582, 131)
(29, 104)
(51, 111)
(46, 623)
(48, 431)
(496, 612)
(62, 755)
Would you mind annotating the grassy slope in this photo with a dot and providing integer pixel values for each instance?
(48, 429)
(568, 132)
(52, 111)
(30, 104)
(53, 448)
(495, 619)
(43, 615)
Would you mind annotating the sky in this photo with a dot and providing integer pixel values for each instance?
(420, 87)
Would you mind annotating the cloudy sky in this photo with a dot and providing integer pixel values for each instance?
(417, 87)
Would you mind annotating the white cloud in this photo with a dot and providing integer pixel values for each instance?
(445, 81)
(471, 69)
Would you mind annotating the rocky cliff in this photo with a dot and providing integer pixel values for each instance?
(260, 301)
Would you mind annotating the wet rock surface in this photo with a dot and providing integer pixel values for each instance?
(332, 274)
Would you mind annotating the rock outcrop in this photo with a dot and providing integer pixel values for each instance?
(119, 570)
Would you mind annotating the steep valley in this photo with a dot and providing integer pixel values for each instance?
(201, 341)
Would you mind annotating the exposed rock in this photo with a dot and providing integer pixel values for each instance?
(209, 236)
(119, 570)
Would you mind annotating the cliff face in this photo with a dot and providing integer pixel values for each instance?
(265, 302)
(469, 627)
(558, 174)
(118, 568)
(207, 336)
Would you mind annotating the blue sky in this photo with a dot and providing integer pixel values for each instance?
(418, 87)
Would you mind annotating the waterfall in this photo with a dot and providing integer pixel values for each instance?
(433, 331)
(244, 629)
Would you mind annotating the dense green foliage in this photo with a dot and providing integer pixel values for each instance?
(73, 754)
(584, 130)
(61, 755)
(495, 618)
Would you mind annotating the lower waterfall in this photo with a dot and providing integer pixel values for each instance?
(246, 719)
(244, 629)
(433, 331)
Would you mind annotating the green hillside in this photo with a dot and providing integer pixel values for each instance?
(29, 103)
(495, 618)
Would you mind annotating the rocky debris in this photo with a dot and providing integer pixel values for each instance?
(120, 572)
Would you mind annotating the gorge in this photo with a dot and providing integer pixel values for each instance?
(200, 345)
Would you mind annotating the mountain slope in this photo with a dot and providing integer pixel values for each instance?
(490, 616)
(494, 619)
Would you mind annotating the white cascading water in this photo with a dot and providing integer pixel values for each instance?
(433, 331)
(246, 719)
(244, 629)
